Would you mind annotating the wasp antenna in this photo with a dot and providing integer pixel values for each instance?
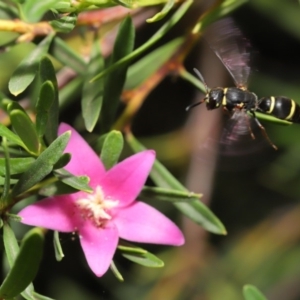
(201, 78)
(193, 105)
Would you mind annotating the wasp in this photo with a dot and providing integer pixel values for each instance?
(233, 50)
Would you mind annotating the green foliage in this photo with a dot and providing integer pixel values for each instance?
(96, 74)
(28, 68)
(112, 148)
(115, 80)
(92, 93)
(252, 293)
(23, 261)
(195, 210)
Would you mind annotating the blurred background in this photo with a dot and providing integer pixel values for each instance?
(252, 188)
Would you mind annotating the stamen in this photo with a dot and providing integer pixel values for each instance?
(95, 207)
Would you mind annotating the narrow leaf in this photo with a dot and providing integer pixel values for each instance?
(25, 265)
(37, 296)
(132, 249)
(250, 292)
(67, 56)
(148, 65)
(63, 161)
(146, 259)
(59, 255)
(160, 15)
(17, 165)
(92, 93)
(47, 74)
(116, 272)
(164, 194)
(42, 166)
(27, 69)
(7, 173)
(10, 244)
(5, 132)
(112, 148)
(220, 11)
(77, 182)
(24, 127)
(65, 24)
(195, 210)
(34, 10)
(156, 37)
(46, 98)
(12, 249)
(272, 119)
(114, 82)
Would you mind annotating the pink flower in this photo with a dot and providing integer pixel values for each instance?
(110, 212)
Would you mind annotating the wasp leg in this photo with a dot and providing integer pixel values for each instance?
(264, 132)
(249, 126)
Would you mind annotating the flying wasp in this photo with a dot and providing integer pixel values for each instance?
(233, 50)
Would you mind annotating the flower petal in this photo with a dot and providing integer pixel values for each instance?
(124, 181)
(99, 245)
(84, 160)
(142, 223)
(55, 213)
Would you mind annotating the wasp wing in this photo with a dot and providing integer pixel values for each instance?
(241, 136)
(232, 48)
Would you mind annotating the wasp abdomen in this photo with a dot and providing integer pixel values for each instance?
(280, 107)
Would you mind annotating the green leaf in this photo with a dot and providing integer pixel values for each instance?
(132, 249)
(17, 165)
(42, 166)
(160, 15)
(250, 292)
(10, 244)
(12, 248)
(145, 259)
(116, 272)
(33, 10)
(25, 265)
(271, 119)
(220, 11)
(67, 56)
(37, 296)
(11, 181)
(59, 255)
(28, 68)
(112, 148)
(63, 161)
(164, 194)
(192, 79)
(46, 99)
(55, 189)
(148, 65)
(115, 80)
(92, 93)
(77, 182)
(6, 186)
(8, 11)
(69, 93)
(65, 24)
(47, 74)
(5, 132)
(24, 127)
(195, 210)
(156, 37)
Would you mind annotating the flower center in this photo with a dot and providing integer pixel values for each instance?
(95, 207)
